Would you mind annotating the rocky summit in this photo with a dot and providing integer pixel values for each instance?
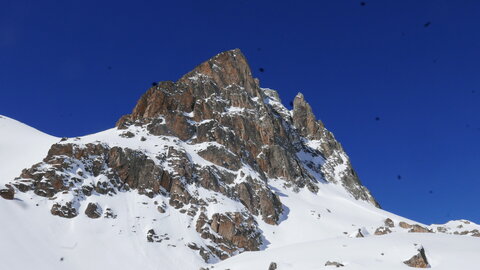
(216, 129)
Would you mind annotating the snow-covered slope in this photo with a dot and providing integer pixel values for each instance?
(20, 147)
(322, 228)
(444, 252)
(315, 229)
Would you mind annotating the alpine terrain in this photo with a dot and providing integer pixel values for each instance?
(208, 172)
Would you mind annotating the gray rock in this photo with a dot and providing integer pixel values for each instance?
(333, 263)
(382, 231)
(64, 210)
(93, 210)
(389, 223)
(7, 193)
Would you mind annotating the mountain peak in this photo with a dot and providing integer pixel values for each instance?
(300, 96)
(225, 61)
(228, 68)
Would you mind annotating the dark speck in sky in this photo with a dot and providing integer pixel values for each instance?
(61, 259)
(154, 84)
(261, 69)
(431, 191)
(362, 4)
(427, 24)
(377, 118)
(109, 68)
(399, 177)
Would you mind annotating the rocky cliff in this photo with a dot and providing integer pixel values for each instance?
(208, 145)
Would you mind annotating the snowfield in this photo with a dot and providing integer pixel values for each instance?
(314, 229)
(20, 147)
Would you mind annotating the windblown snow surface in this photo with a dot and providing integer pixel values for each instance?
(20, 147)
(315, 228)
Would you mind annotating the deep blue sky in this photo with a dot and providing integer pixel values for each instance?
(72, 68)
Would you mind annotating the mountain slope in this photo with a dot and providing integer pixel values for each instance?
(211, 169)
(20, 147)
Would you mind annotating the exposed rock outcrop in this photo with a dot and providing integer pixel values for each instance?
(382, 231)
(7, 193)
(152, 236)
(109, 213)
(272, 266)
(231, 230)
(389, 223)
(93, 210)
(404, 225)
(66, 210)
(333, 263)
(419, 260)
(419, 229)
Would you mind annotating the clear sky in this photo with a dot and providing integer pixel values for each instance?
(397, 82)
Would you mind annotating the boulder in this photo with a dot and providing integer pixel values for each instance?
(109, 213)
(64, 210)
(333, 263)
(389, 223)
(415, 228)
(442, 229)
(359, 233)
(419, 260)
(404, 225)
(7, 193)
(93, 210)
(382, 231)
(273, 266)
(152, 236)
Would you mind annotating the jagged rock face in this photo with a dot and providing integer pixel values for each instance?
(219, 101)
(236, 231)
(214, 129)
